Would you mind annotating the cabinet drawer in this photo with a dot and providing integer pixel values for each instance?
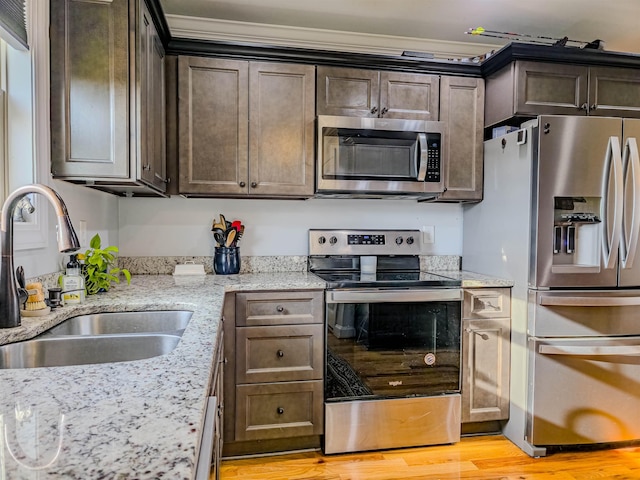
(487, 303)
(279, 353)
(279, 308)
(279, 410)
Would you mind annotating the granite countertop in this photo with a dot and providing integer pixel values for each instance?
(475, 280)
(140, 419)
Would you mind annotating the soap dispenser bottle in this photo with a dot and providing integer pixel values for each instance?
(73, 283)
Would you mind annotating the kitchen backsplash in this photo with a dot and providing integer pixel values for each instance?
(266, 264)
(262, 264)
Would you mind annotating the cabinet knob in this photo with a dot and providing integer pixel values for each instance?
(280, 410)
(384, 110)
(593, 107)
(584, 106)
(254, 184)
(242, 184)
(280, 354)
(374, 110)
(280, 308)
(147, 167)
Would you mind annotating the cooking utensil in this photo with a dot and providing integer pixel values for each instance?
(231, 235)
(239, 234)
(219, 236)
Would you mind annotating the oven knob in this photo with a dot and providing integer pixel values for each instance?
(333, 240)
(322, 240)
(398, 240)
(409, 240)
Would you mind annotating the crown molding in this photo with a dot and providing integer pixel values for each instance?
(311, 38)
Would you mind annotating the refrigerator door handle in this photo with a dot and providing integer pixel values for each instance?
(631, 166)
(588, 301)
(612, 167)
(626, 350)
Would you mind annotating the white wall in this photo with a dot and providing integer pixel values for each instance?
(177, 226)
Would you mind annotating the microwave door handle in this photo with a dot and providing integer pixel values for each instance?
(612, 167)
(422, 155)
(631, 166)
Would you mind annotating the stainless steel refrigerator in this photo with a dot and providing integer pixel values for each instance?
(561, 219)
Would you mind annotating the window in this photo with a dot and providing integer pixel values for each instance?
(24, 120)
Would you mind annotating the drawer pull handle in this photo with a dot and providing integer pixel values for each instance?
(280, 410)
(280, 354)
(280, 308)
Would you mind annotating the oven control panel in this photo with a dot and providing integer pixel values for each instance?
(364, 242)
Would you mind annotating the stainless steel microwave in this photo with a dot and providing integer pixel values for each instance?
(365, 157)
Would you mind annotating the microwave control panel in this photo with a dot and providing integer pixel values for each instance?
(433, 158)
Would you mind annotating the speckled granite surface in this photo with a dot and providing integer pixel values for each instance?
(248, 264)
(129, 420)
(476, 280)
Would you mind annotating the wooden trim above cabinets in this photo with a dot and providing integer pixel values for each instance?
(182, 46)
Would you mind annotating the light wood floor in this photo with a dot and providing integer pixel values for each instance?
(487, 458)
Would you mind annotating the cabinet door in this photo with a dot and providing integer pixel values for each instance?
(485, 377)
(152, 114)
(281, 129)
(409, 96)
(550, 89)
(348, 91)
(462, 111)
(614, 92)
(213, 126)
(90, 89)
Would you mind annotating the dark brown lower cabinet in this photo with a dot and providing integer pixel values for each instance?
(274, 372)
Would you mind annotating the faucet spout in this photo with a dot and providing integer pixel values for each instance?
(67, 242)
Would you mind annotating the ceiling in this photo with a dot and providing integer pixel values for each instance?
(615, 22)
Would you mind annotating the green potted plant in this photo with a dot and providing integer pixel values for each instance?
(99, 270)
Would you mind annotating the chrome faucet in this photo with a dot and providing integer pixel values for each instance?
(67, 242)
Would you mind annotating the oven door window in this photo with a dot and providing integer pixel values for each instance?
(389, 350)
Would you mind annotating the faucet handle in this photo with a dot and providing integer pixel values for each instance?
(20, 276)
(23, 295)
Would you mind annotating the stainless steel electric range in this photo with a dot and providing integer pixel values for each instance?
(392, 372)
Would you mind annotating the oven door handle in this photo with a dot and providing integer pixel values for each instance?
(373, 295)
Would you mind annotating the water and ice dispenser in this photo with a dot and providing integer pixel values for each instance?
(576, 233)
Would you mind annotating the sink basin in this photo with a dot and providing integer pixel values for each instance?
(100, 338)
(82, 350)
(174, 321)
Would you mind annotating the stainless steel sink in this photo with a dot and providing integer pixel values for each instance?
(83, 350)
(100, 338)
(123, 322)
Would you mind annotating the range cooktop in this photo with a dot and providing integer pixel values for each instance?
(386, 280)
(339, 258)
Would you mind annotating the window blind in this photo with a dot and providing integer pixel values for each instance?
(13, 23)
